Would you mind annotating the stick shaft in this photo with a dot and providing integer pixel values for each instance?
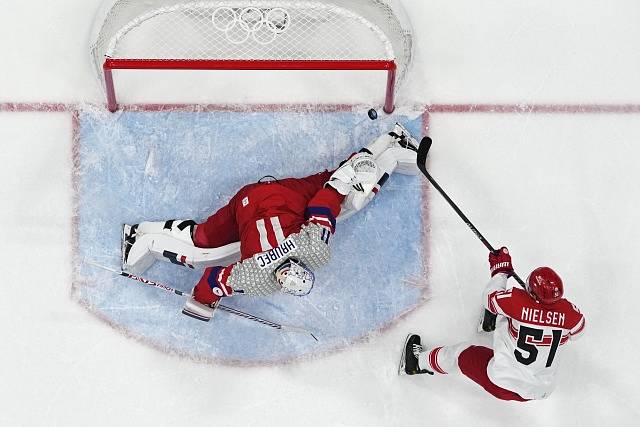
(425, 144)
(231, 310)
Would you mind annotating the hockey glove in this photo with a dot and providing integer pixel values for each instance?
(358, 173)
(317, 232)
(500, 262)
(321, 216)
(207, 293)
(213, 285)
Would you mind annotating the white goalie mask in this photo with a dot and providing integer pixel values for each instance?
(295, 278)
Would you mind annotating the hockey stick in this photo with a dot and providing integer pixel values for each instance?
(489, 322)
(220, 306)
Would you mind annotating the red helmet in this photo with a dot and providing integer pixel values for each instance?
(545, 285)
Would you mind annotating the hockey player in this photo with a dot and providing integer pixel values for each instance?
(532, 329)
(272, 235)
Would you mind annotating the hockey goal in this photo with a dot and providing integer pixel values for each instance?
(252, 35)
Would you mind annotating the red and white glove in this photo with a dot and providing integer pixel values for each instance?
(213, 285)
(207, 293)
(322, 216)
(500, 262)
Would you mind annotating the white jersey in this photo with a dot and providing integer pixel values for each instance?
(529, 338)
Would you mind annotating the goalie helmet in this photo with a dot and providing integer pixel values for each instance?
(295, 277)
(545, 285)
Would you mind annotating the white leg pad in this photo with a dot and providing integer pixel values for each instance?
(380, 144)
(178, 228)
(159, 246)
(398, 159)
(407, 161)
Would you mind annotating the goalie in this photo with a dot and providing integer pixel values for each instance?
(272, 235)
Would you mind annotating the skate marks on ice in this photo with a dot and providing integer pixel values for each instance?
(151, 165)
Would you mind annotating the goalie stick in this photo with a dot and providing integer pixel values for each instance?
(230, 310)
(489, 320)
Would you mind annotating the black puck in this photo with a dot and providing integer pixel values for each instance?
(373, 114)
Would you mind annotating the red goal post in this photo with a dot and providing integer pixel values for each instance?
(252, 35)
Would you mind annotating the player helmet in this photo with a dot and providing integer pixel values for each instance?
(295, 277)
(545, 285)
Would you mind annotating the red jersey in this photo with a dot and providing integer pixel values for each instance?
(263, 214)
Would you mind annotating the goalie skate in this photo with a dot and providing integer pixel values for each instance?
(409, 359)
(128, 239)
(404, 151)
(404, 137)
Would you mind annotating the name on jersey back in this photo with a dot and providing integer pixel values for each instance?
(536, 315)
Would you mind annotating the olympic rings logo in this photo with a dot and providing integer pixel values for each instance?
(263, 25)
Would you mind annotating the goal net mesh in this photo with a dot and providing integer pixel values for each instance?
(330, 30)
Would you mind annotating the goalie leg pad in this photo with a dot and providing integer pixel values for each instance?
(136, 256)
(135, 247)
(151, 247)
(398, 159)
(170, 241)
(399, 137)
(181, 229)
(380, 144)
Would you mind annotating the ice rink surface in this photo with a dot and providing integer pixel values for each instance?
(557, 185)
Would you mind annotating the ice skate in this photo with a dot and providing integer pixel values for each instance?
(401, 152)
(404, 138)
(409, 360)
(129, 234)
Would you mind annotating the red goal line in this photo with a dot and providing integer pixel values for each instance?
(57, 107)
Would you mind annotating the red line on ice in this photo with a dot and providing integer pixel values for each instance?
(592, 108)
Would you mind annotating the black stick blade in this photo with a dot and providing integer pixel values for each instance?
(423, 150)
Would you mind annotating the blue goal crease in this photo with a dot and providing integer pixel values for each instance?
(139, 166)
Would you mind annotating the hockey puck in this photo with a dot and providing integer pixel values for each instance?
(373, 114)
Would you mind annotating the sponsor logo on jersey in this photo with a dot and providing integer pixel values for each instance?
(501, 265)
(280, 252)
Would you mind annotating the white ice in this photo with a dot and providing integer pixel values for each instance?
(559, 189)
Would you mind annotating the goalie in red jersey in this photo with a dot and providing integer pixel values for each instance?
(272, 235)
(532, 330)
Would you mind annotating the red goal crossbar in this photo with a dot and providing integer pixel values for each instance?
(111, 64)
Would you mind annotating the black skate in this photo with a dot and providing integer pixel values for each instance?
(409, 360)
(404, 137)
(128, 239)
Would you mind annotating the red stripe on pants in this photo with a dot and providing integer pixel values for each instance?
(473, 362)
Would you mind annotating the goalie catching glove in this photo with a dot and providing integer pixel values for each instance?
(358, 173)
